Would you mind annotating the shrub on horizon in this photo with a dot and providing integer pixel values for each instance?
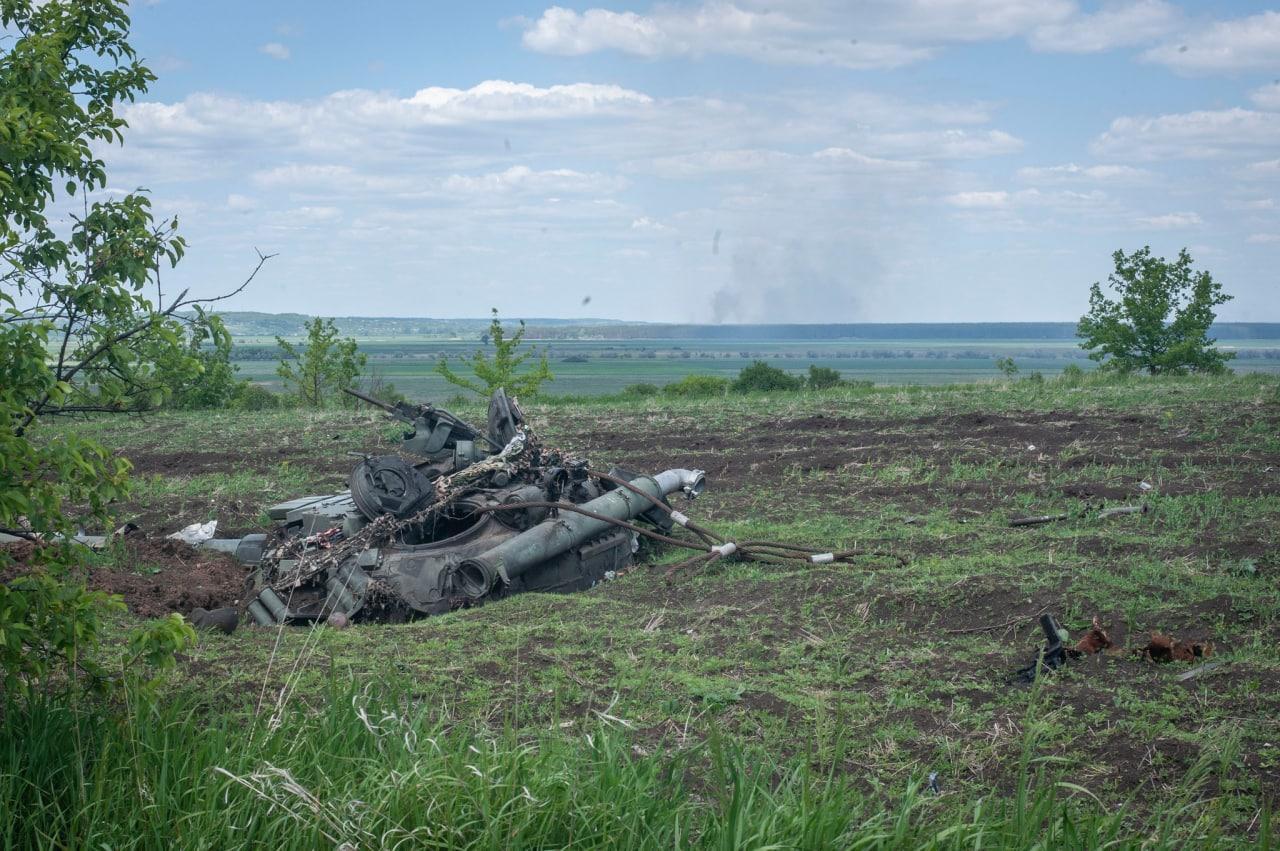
(641, 389)
(697, 386)
(824, 377)
(762, 377)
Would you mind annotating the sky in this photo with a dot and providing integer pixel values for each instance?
(718, 161)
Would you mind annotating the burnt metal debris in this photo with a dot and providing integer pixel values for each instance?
(461, 516)
(1161, 648)
(1053, 655)
(458, 517)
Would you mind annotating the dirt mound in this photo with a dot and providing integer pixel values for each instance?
(162, 576)
(156, 577)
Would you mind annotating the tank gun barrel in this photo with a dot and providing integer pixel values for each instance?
(377, 403)
(411, 414)
(476, 575)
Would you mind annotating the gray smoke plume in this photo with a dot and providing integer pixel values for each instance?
(795, 280)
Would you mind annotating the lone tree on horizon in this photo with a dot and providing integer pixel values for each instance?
(1160, 320)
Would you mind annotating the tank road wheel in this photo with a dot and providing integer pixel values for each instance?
(387, 485)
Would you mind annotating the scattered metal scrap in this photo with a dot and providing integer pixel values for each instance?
(1201, 670)
(1123, 509)
(1037, 520)
(223, 620)
(1055, 652)
(1095, 640)
(93, 542)
(1161, 648)
(1166, 648)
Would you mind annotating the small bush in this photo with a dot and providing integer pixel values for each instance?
(318, 371)
(503, 368)
(761, 377)
(254, 397)
(1007, 366)
(640, 390)
(697, 386)
(377, 386)
(823, 377)
(390, 394)
(1072, 374)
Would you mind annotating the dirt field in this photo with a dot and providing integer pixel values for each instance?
(883, 671)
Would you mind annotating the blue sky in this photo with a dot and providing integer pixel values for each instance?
(736, 160)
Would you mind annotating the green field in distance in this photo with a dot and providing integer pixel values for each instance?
(597, 367)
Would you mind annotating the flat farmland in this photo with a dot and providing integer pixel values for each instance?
(600, 367)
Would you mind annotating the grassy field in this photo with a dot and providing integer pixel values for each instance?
(746, 704)
(598, 367)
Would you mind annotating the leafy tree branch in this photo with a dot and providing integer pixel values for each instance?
(79, 329)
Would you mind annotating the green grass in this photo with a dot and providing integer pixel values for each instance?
(825, 696)
(379, 769)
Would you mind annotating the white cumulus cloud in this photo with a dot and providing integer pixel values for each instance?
(1267, 97)
(500, 99)
(960, 20)
(524, 179)
(747, 160)
(644, 223)
(713, 162)
(295, 175)
(847, 157)
(1198, 134)
(869, 34)
(763, 34)
(1114, 25)
(1242, 44)
(950, 144)
(275, 50)
(570, 33)
(1171, 221)
(307, 216)
(238, 203)
(331, 121)
(979, 200)
(1070, 172)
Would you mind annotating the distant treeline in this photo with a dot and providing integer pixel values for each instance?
(248, 324)
(251, 324)
(875, 331)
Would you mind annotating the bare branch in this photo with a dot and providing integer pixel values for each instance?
(92, 409)
(35, 314)
(42, 406)
(262, 259)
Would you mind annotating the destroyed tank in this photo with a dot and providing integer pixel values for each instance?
(457, 517)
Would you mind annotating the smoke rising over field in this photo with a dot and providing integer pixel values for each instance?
(795, 280)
